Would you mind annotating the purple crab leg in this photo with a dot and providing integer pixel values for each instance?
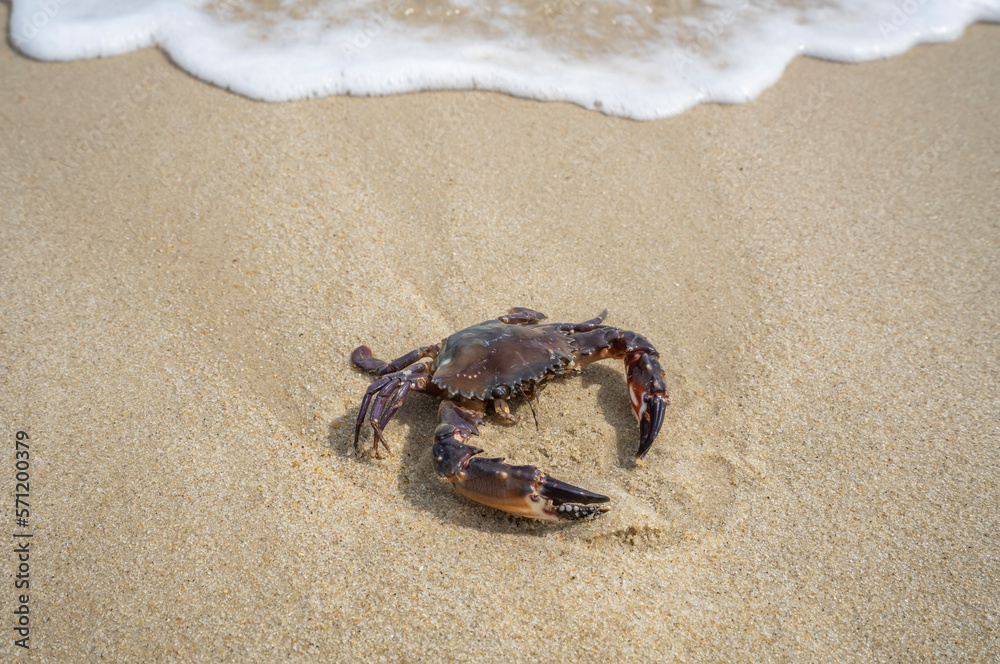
(373, 389)
(378, 411)
(386, 395)
(397, 402)
(521, 490)
(362, 358)
(522, 316)
(585, 326)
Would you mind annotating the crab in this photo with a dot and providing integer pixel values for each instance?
(493, 362)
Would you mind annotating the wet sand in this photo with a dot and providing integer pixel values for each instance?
(185, 273)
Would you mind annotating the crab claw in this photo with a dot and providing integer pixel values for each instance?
(650, 421)
(648, 394)
(521, 490)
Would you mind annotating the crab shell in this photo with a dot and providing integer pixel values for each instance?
(494, 360)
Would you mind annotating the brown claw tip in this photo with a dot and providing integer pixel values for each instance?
(649, 425)
(561, 493)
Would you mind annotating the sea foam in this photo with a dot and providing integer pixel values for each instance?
(642, 60)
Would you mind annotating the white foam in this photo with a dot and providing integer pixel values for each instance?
(638, 60)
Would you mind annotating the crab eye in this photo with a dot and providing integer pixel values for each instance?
(501, 392)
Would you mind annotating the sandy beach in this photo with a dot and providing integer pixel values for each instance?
(185, 273)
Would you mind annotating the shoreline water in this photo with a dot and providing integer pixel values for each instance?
(636, 60)
(186, 272)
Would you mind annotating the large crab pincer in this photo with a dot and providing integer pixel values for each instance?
(496, 361)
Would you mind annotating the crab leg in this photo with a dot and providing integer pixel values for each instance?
(362, 358)
(374, 391)
(386, 395)
(585, 326)
(646, 385)
(522, 316)
(397, 401)
(521, 490)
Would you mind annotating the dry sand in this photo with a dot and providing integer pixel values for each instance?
(184, 273)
